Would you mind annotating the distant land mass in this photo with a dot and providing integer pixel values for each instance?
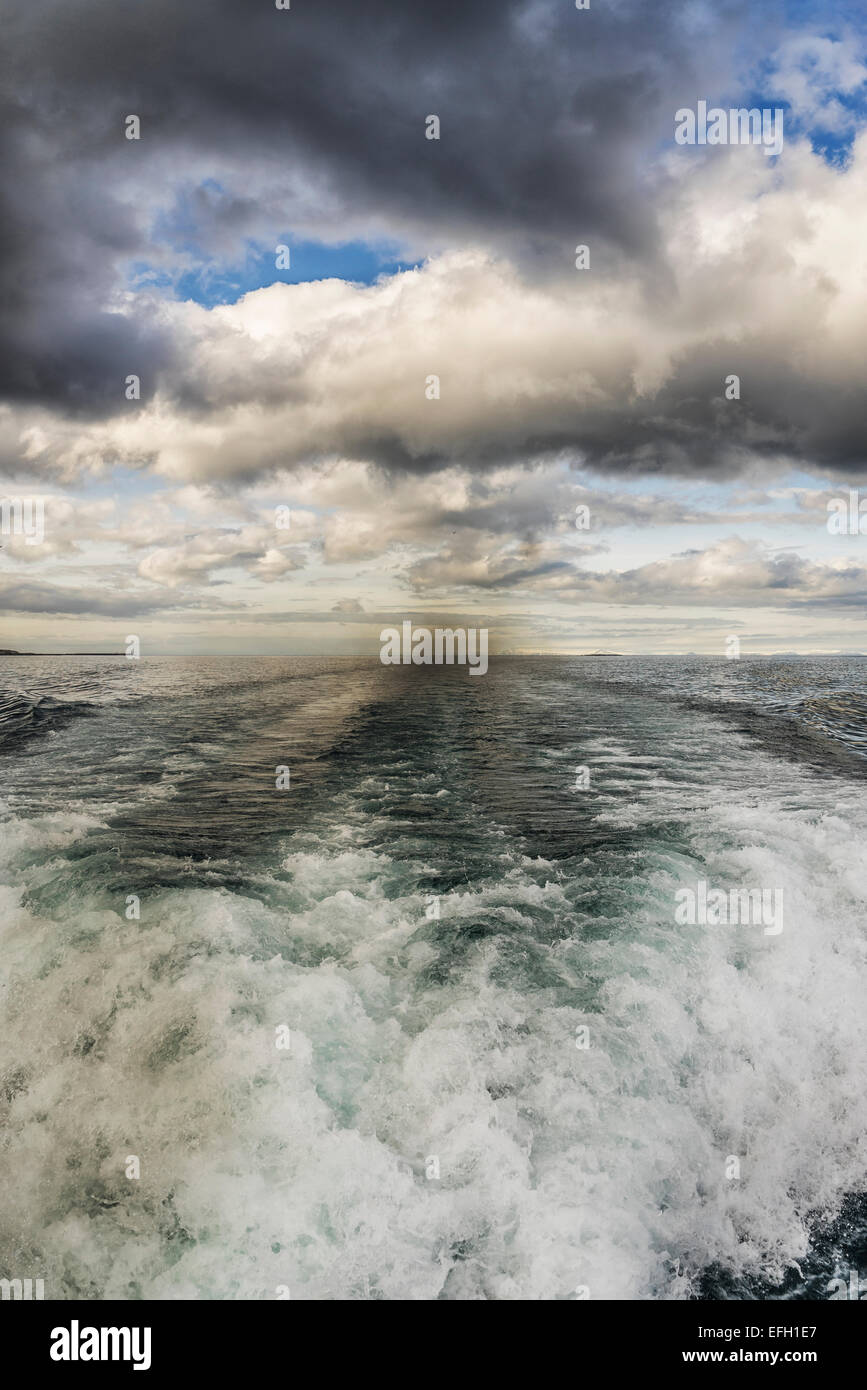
(8, 651)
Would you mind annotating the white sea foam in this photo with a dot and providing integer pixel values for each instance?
(559, 1167)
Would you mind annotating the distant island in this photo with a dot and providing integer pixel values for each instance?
(8, 651)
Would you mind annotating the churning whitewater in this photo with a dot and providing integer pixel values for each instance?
(424, 1024)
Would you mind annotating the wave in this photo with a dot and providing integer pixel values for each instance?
(432, 1131)
(23, 716)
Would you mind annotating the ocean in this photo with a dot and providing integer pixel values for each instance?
(422, 1023)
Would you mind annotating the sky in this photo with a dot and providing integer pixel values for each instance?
(373, 383)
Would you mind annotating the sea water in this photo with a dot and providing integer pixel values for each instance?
(423, 1024)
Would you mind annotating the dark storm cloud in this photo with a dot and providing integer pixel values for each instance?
(259, 123)
(546, 115)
